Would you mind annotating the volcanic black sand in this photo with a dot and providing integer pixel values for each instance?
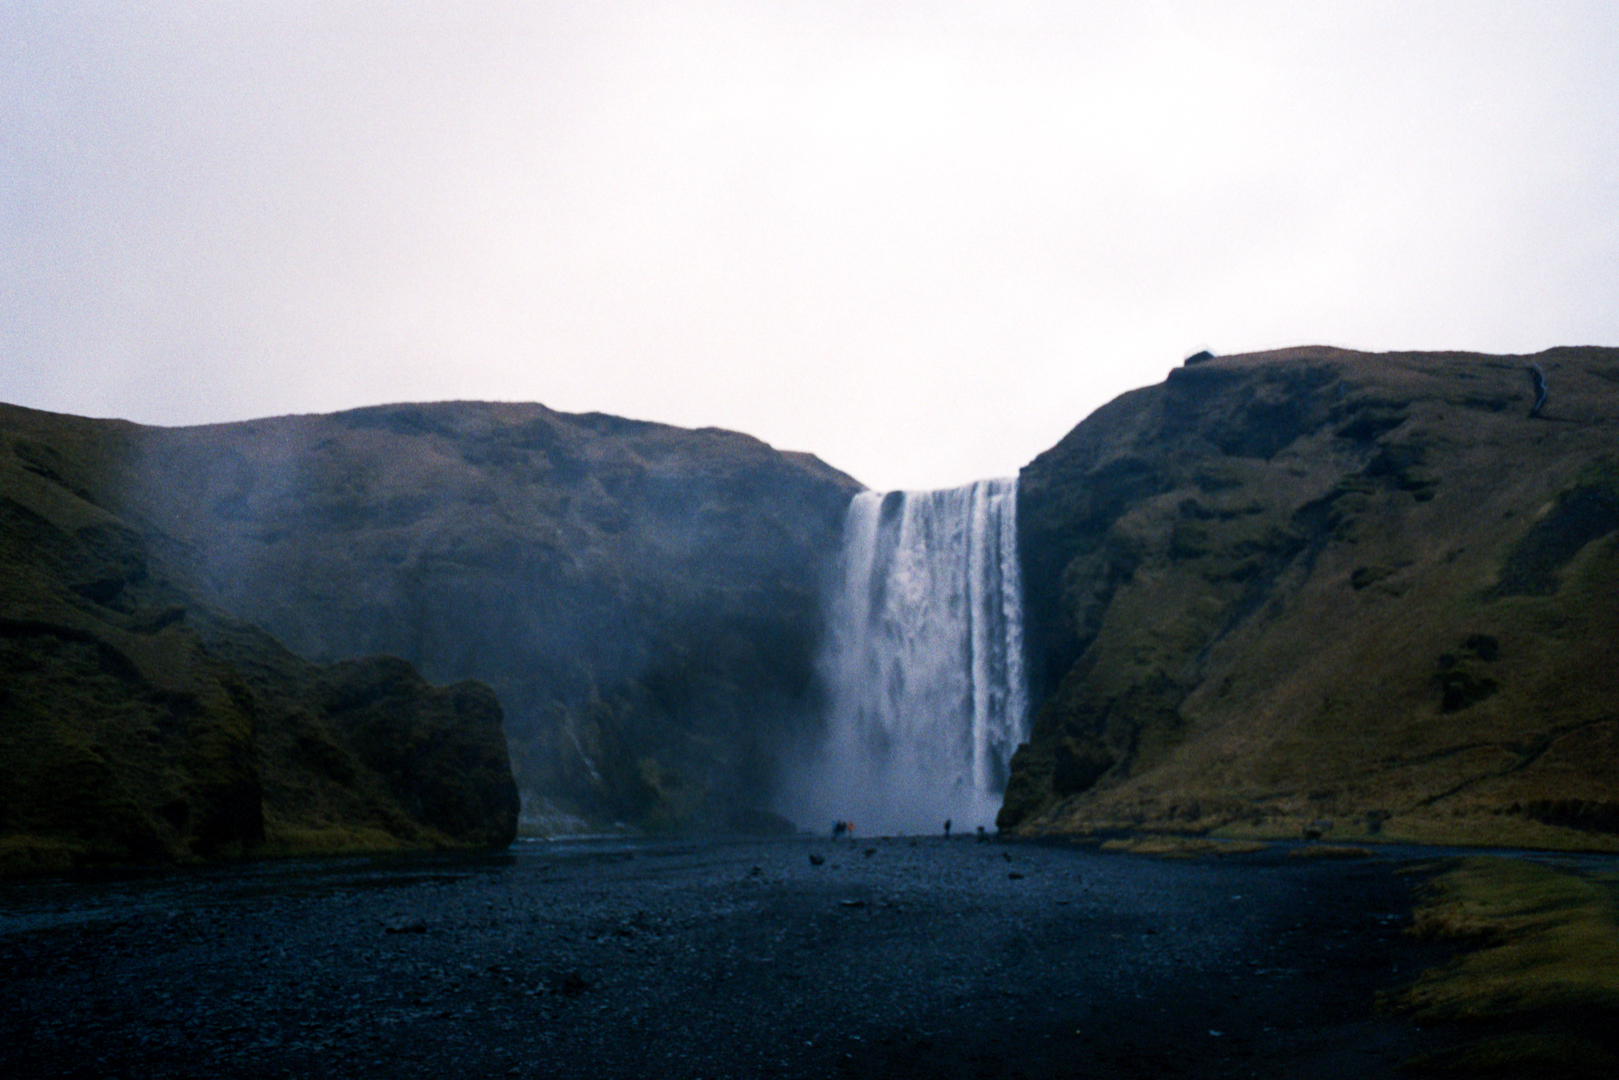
(891, 957)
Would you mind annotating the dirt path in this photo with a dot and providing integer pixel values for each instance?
(712, 959)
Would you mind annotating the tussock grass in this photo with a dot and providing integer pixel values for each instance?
(1540, 1055)
(1330, 851)
(1542, 975)
(1549, 940)
(27, 856)
(291, 841)
(1181, 847)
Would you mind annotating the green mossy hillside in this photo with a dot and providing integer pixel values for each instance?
(137, 724)
(1365, 596)
(643, 599)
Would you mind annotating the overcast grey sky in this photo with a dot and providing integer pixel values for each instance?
(921, 240)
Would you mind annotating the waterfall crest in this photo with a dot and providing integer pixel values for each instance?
(923, 663)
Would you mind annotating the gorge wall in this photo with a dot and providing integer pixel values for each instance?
(139, 723)
(643, 599)
(1319, 591)
(1310, 591)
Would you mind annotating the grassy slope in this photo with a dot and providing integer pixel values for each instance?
(1337, 588)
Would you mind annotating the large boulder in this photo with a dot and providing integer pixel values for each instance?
(1325, 591)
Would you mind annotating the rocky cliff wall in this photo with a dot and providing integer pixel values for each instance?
(1325, 591)
(137, 723)
(643, 599)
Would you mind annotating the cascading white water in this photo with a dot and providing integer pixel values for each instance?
(923, 662)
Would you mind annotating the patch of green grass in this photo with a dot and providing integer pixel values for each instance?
(291, 841)
(28, 856)
(1549, 940)
(1542, 976)
(1182, 847)
(1330, 851)
(1531, 1054)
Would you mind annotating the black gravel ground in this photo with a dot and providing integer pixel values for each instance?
(892, 957)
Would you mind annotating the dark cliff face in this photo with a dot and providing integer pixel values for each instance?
(643, 599)
(1291, 589)
(138, 723)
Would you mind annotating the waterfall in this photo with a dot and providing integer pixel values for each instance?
(923, 664)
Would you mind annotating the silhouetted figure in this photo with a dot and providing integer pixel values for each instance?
(839, 828)
(947, 828)
(983, 836)
(1537, 379)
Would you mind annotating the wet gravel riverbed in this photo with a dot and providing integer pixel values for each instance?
(891, 957)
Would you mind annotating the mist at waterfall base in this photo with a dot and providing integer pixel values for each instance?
(923, 666)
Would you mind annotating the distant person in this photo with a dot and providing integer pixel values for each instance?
(947, 828)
